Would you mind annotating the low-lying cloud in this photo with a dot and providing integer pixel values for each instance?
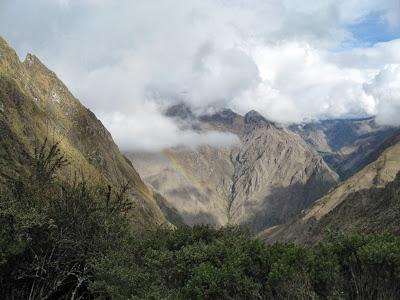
(126, 60)
(159, 132)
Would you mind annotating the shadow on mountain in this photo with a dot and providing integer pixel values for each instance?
(285, 203)
(199, 218)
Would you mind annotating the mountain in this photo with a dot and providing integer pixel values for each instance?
(367, 202)
(264, 180)
(345, 144)
(35, 105)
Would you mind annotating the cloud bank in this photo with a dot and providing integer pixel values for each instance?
(148, 120)
(126, 60)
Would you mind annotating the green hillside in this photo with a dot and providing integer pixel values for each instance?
(35, 105)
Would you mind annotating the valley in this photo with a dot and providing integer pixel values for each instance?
(274, 173)
(186, 215)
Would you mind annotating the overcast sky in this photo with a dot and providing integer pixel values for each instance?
(290, 60)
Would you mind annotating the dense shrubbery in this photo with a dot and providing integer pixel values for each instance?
(71, 241)
(204, 263)
(50, 229)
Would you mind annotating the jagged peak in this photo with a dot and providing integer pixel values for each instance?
(225, 115)
(31, 59)
(38, 70)
(33, 62)
(254, 114)
(180, 111)
(255, 118)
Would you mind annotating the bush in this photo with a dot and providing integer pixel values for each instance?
(70, 240)
(50, 229)
(202, 262)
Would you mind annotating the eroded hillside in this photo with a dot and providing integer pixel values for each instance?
(366, 202)
(267, 178)
(345, 144)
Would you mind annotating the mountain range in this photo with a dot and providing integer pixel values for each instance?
(367, 202)
(274, 173)
(268, 177)
(284, 182)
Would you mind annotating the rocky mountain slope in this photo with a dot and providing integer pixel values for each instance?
(263, 181)
(345, 144)
(35, 104)
(369, 201)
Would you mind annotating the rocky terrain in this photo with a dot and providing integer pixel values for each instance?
(367, 202)
(273, 174)
(35, 105)
(263, 181)
(345, 144)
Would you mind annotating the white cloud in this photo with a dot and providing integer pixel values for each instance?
(122, 57)
(158, 132)
(300, 82)
(385, 88)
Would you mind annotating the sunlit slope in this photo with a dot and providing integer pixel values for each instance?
(35, 105)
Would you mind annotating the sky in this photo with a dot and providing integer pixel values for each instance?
(292, 61)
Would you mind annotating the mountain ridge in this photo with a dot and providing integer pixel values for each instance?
(371, 195)
(36, 105)
(344, 144)
(260, 182)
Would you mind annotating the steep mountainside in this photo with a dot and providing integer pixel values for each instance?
(263, 181)
(369, 201)
(35, 104)
(345, 144)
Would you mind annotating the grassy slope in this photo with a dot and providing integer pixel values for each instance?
(35, 104)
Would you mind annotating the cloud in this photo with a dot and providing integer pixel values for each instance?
(122, 57)
(385, 88)
(301, 82)
(163, 132)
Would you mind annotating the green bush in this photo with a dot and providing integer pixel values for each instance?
(69, 240)
(50, 230)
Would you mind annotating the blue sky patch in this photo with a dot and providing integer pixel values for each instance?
(373, 29)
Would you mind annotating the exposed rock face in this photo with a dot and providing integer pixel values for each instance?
(369, 201)
(344, 144)
(35, 104)
(272, 175)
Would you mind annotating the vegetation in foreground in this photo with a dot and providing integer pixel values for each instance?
(63, 240)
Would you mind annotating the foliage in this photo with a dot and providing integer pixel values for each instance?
(69, 240)
(201, 262)
(49, 230)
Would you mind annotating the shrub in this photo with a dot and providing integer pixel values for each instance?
(71, 240)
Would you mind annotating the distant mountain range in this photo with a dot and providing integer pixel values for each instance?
(287, 183)
(345, 144)
(271, 176)
(263, 181)
(367, 202)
